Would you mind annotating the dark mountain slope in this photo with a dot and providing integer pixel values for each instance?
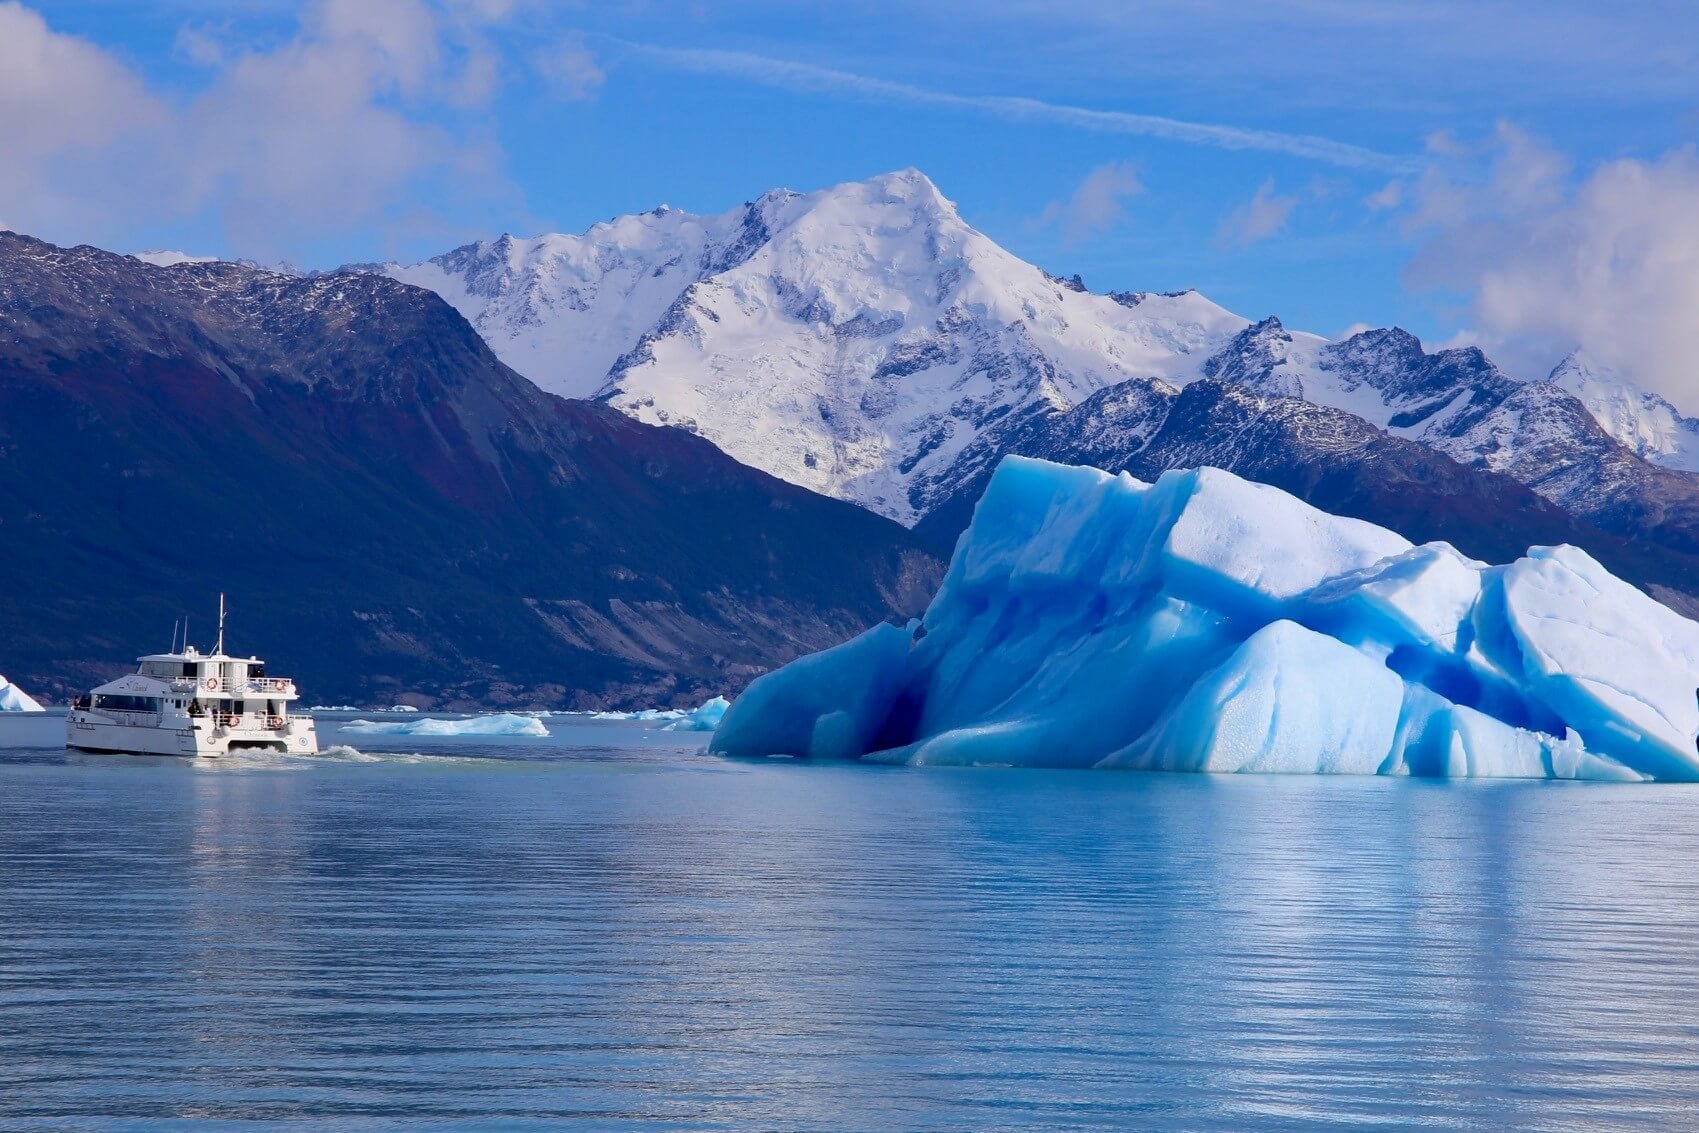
(389, 507)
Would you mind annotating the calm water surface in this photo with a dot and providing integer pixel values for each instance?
(612, 929)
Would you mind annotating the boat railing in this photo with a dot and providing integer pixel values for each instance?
(260, 720)
(271, 684)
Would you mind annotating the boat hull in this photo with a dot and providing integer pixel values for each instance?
(87, 731)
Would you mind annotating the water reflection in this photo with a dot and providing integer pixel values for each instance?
(637, 934)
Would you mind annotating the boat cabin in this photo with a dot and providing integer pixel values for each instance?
(231, 691)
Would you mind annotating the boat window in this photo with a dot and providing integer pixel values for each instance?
(117, 703)
(188, 668)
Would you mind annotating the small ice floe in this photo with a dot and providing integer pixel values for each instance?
(499, 724)
(703, 718)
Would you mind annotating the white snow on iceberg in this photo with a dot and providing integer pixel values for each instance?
(15, 699)
(500, 724)
(1207, 623)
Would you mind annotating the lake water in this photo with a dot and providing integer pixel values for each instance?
(610, 928)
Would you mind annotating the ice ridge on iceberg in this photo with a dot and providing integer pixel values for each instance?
(1207, 623)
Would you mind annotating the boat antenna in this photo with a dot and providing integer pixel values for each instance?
(220, 650)
(174, 626)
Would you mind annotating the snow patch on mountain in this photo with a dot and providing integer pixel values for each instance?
(1642, 422)
(164, 258)
(563, 309)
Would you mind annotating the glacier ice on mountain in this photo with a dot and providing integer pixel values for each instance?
(15, 699)
(1207, 623)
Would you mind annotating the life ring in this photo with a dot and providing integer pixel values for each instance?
(274, 722)
(212, 684)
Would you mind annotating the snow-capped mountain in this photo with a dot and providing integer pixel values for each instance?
(1642, 422)
(866, 342)
(852, 340)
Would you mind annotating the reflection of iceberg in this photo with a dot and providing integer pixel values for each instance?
(501, 724)
(1205, 623)
(15, 699)
(704, 718)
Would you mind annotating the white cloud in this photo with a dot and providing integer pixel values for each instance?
(324, 133)
(66, 109)
(570, 68)
(809, 79)
(1388, 196)
(199, 45)
(1548, 260)
(1096, 204)
(1265, 215)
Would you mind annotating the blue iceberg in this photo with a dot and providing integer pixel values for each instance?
(1207, 623)
(15, 699)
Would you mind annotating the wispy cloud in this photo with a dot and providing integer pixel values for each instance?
(810, 79)
(1096, 203)
(1265, 215)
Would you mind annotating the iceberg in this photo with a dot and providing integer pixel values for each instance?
(1207, 623)
(15, 699)
(500, 724)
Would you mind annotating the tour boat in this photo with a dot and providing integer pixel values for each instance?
(186, 702)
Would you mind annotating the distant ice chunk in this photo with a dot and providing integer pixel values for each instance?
(703, 718)
(15, 699)
(500, 724)
(1205, 623)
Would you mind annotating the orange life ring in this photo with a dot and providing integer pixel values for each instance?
(274, 722)
(212, 684)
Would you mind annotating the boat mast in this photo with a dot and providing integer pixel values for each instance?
(219, 651)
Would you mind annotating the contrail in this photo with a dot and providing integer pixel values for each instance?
(807, 78)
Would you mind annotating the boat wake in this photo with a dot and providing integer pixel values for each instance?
(257, 760)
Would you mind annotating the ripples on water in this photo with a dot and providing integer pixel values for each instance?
(611, 928)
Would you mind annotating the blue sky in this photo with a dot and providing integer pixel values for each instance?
(1433, 165)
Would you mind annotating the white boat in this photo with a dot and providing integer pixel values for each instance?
(186, 702)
